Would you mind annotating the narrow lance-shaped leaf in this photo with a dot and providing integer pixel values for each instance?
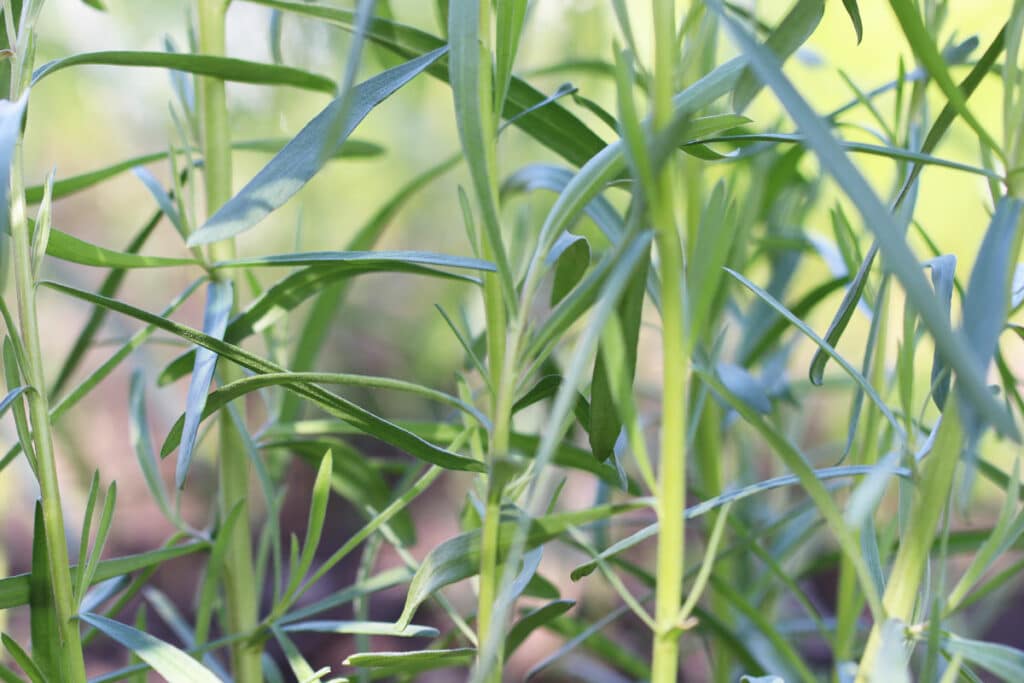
(792, 32)
(470, 72)
(571, 256)
(219, 298)
(924, 48)
(42, 613)
(899, 257)
(553, 126)
(142, 444)
(223, 68)
(854, 11)
(301, 159)
(167, 660)
(83, 181)
(605, 421)
(41, 232)
(943, 270)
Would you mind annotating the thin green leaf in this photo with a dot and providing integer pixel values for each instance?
(792, 32)
(533, 620)
(41, 231)
(314, 525)
(142, 444)
(73, 184)
(219, 301)
(355, 478)
(167, 660)
(22, 659)
(553, 126)
(300, 159)
(943, 272)
(417, 661)
(369, 628)
(223, 68)
(66, 247)
(571, 256)
(373, 260)
(299, 380)
(15, 590)
(42, 611)
(924, 48)
(854, 11)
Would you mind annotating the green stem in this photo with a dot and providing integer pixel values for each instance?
(73, 661)
(849, 601)
(912, 556)
(42, 435)
(501, 367)
(676, 370)
(241, 592)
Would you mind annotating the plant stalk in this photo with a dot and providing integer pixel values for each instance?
(672, 475)
(241, 592)
(73, 664)
(65, 609)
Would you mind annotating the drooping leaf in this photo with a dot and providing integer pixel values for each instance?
(533, 620)
(219, 300)
(292, 290)
(366, 421)
(301, 159)
(854, 11)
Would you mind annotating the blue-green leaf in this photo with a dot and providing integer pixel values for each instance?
(301, 158)
(167, 660)
(219, 299)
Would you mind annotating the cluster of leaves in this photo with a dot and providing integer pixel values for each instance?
(566, 303)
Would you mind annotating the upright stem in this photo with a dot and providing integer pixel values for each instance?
(42, 436)
(672, 475)
(241, 592)
(72, 663)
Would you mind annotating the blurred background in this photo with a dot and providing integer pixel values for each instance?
(88, 117)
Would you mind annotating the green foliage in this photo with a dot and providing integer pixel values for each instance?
(613, 363)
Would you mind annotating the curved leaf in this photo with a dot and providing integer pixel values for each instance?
(167, 660)
(363, 419)
(291, 291)
(223, 68)
(301, 158)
